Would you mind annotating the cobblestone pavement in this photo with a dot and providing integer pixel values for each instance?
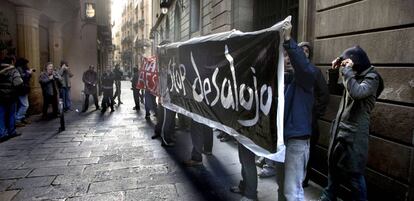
(112, 157)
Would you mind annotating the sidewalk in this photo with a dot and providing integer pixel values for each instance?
(112, 157)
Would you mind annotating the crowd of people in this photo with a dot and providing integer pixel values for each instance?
(306, 96)
(15, 78)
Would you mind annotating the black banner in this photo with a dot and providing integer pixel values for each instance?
(227, 81)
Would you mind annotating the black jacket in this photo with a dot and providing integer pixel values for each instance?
(10, 83)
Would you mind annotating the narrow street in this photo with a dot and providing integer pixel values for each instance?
(112, 157)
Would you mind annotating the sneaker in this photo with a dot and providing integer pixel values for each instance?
(267, 172)
(236, 189)
(20, 124)
(168, 144)
(192, 163)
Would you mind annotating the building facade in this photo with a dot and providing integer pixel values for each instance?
(43, 31)
(134, 33)
(385, 29)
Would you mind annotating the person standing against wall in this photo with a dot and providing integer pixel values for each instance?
(348, 147)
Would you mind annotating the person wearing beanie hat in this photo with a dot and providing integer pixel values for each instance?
(348, 147)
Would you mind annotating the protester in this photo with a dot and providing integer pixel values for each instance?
(150, 103)
(321, 93)
(23, 100)
(90, 80)
(165, 126)
(299, 98)
(202, 139)
(348, 148)
(134, 89)
(107, 82)
(66, 75)
(10, 84)
(117, 74)
(51, 82)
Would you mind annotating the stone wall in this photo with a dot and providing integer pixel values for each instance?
(385, 30)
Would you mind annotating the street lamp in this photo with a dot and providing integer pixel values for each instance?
(164, 6)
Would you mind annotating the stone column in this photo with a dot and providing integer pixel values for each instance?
(28, 47)
(55, 43)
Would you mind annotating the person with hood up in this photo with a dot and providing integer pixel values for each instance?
(348, 148)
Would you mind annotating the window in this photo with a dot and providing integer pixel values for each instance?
(195, 16)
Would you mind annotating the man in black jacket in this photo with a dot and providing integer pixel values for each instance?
(10, 82)
(107, 82)
(135, 91)
(117, 75)
(321, 93)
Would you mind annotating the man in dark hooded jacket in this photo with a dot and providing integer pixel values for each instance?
(10, 83)
(348, 149)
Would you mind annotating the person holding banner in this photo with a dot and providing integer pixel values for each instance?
(202, 139)
(299, 97)
(321, 92)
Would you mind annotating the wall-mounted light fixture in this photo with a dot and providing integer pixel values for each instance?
(164, 5)
(90, 11)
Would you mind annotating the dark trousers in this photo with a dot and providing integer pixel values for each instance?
(136, 98)
(107, 100)
(166, 124)
(313, 142)
(150, 103)
(117, 91)
(355, 181)
(248, 184)
(47, 100)
(202, 138)
(95, 100)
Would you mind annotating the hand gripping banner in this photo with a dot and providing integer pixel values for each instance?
(148, 75)
(232, 81)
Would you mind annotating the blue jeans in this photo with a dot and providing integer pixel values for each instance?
(336, 177)
(22, 106)
(65, 95)
(289, 175)
(7, 119)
